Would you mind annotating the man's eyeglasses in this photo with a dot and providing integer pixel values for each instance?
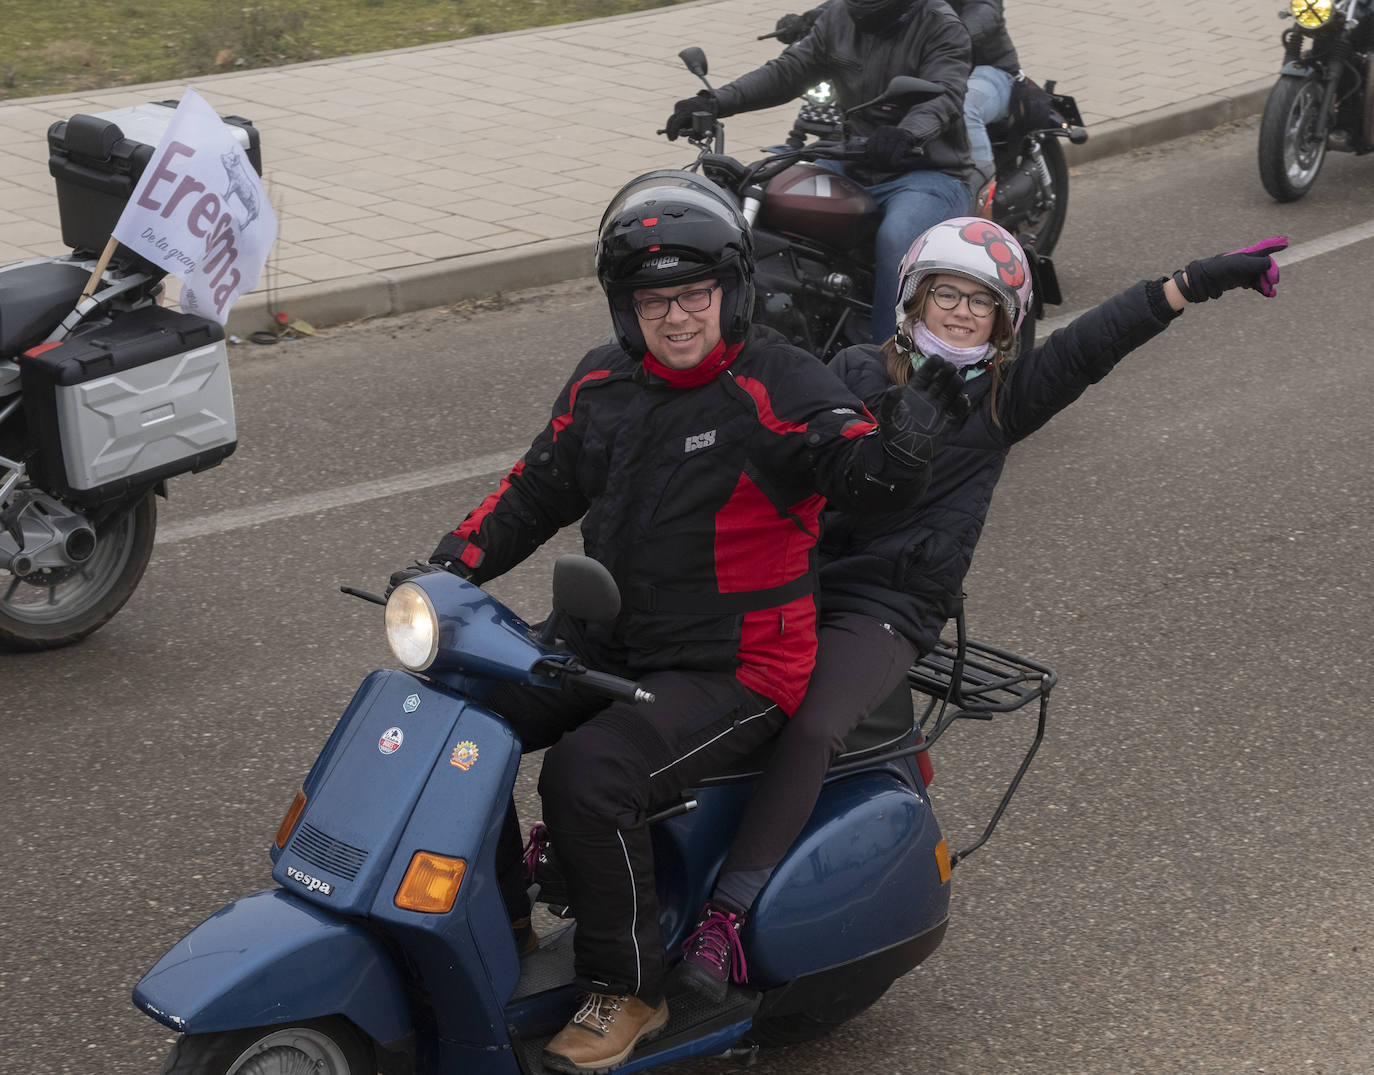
(691, 302)
(980, 303)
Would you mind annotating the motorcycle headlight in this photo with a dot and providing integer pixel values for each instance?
(1312, 13)
(412, 627)
(823, 93)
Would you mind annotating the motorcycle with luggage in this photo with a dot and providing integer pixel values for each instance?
(104, 393)
(1029, 192)
(1324, 97)
(814, 229)
(385, 945)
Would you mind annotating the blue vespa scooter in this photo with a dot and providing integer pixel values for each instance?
(386, 947)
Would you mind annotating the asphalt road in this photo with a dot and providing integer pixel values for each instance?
(1184, 882)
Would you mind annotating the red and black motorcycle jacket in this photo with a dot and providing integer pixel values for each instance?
(703, 501)
(907, 567)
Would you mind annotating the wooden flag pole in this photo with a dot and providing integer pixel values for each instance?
(99, 269)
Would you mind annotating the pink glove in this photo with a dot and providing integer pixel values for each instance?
(1250, 266)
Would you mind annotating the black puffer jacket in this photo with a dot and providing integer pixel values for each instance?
(992, 45)
(930, 42)
(907, 567)
(703, 501)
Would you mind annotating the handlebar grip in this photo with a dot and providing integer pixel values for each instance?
(624, 690)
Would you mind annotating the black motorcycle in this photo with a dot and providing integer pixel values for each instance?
(814, 229)
(1324, 98)
(1029, 193)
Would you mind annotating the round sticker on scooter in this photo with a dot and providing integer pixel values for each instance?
(391, 740)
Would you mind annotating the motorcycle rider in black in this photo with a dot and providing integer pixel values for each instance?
(995, 68)
(917, 163)
(698, 452)
(890, 582)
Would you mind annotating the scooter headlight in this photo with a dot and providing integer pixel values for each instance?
(1312, 14)
(412, 627)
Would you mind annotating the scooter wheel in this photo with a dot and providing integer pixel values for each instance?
(321, 1046)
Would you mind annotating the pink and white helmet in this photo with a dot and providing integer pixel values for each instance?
(974, 247)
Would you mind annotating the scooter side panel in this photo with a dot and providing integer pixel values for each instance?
(863, 876)
(270, 958)
(361, 792)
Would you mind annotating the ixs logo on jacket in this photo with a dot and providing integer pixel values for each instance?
(312, 884)
(698, 441)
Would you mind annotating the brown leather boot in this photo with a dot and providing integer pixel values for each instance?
(603, 1034)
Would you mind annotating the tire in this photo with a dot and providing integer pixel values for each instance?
(320, 1046)
(1291, 152)
(1042, 230)
(794, 1028)
(52, 608)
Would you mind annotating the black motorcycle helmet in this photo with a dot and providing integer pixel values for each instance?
(673, 227)
(870, 16)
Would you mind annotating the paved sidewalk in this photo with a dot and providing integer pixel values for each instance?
(424, 176)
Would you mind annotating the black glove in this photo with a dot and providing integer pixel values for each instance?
(889, 148)
(448, 555)
(792, 28)
(704, 101)
(1250, 266)
(913, 420)
(414, 571)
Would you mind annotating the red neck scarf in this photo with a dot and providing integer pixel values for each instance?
(702, 373)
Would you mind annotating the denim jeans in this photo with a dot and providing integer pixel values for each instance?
(911, 203)
(987, 100)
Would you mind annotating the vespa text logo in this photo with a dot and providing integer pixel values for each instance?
(391, 740)
(699, 441)
(411, 703)
(312, 884)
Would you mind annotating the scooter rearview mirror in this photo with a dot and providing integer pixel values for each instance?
(695, 59)
(584, 589)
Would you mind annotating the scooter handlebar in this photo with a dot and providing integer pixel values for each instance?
(623, 690)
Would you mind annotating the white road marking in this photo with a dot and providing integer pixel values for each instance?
(500, 462)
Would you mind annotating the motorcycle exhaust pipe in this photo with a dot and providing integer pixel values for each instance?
(79, 542)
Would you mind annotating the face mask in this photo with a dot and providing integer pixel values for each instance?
(927, 343)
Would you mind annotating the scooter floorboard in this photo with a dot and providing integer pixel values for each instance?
(696, 1026)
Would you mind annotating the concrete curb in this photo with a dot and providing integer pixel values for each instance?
(479, 276)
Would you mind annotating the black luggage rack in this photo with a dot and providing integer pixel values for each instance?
(968, 680)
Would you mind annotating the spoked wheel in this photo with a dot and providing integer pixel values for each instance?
(1041, 225)
(318, 1047)
(1291, 147)
(53, 607)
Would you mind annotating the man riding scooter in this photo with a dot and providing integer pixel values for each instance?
(698, 451)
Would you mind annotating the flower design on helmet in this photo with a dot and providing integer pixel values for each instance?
(974, 247)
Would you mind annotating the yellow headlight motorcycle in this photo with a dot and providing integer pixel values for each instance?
(1324, 98)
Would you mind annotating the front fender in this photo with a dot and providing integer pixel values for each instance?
(270, 958)
(1300, 69)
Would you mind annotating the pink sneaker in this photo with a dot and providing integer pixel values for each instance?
(714, 956)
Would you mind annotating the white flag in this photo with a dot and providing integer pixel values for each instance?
(200, 212)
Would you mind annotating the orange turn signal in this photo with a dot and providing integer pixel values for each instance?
(431, 883)
(293, 814)
(942, 861)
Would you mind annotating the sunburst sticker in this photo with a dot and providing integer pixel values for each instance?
(464, 755)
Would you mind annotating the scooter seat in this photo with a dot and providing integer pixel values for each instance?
(33, 301)
(889, 723)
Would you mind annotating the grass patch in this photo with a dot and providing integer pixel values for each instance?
(63, 46)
